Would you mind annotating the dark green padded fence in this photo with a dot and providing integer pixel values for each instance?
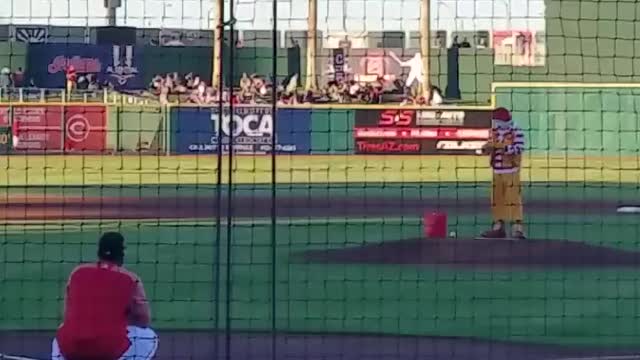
(576, 120)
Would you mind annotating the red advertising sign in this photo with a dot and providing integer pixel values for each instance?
(422, 133)
(85, 128)
(396, 117)
(5, 114)
(518, 48)
(37, 128)
(56, 128)
(418, 146)
(431, 131)
(387, 147)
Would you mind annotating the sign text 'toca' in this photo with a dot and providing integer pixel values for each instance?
(244, 125)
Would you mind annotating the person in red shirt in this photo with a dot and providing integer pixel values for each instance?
(15, 132)
(106, 312)
(72, 78)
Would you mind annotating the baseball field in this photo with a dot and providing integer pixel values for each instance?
(354, 277)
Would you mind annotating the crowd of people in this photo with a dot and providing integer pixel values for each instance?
(254, 89)
(13, 82)
(251, 89)
(11, 79)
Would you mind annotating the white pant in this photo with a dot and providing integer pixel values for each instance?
(144, 343)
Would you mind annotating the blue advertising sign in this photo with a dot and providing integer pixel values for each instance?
(123, 67)
(250, 130)
(118, 65)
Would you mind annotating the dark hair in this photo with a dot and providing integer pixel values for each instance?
(111, 247)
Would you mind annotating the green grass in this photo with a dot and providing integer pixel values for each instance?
(177, 258)
(592, 191)
(299, 169)
(176, 261)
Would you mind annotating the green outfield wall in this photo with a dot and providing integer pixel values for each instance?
(13, 55)
(557, 121)
(198, 60)
(183, 60)
(137, 128)
(576, 120)
(586, 41)
(332, 131)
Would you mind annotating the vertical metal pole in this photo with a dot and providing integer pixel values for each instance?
(218, 255)
(312, 36)
(274, 128)
(63, 125)
(218, 30)
(425, 45)
(111, 16)
(118, 111)
(230, 83)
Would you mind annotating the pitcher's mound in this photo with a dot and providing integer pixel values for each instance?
(477, 253)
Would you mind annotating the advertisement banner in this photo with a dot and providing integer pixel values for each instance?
(5, 140)
(436, 133)
(406, 131)
(249, 130)
(56, 128)
(420, 146)
(32, 34)
(37, 128)
(518, 48)
(85, 128)
(470, 118)
(5, 116)
(367, 65)
(115, 64)
(338, 64)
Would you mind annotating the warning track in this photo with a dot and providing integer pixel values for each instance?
(105, 208)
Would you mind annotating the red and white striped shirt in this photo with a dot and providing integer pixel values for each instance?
(506, 159)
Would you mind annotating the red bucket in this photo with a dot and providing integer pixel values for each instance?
(435, 225)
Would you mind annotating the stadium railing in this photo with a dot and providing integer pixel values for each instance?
(48, 95)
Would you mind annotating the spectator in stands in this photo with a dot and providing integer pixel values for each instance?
(5, 79)
(179, 85)
(455, 43)
(71, 77)
(163, 92)
(481, 43)
(83, 83)
(377, 91)
(259, 85)
(168, 82)
(92, 83)
(247, 95)
(199, 94)
(414, 97)
(287, 93)
(435, 96)
(18, 78)
(253, 89)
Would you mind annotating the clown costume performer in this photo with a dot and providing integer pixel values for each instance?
(505, 147)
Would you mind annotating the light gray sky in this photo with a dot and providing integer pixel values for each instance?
(363, 15)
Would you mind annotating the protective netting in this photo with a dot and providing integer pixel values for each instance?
(316, 187)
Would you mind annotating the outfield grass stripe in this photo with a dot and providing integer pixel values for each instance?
(130, 170)
(17, 227)
(236, 221)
